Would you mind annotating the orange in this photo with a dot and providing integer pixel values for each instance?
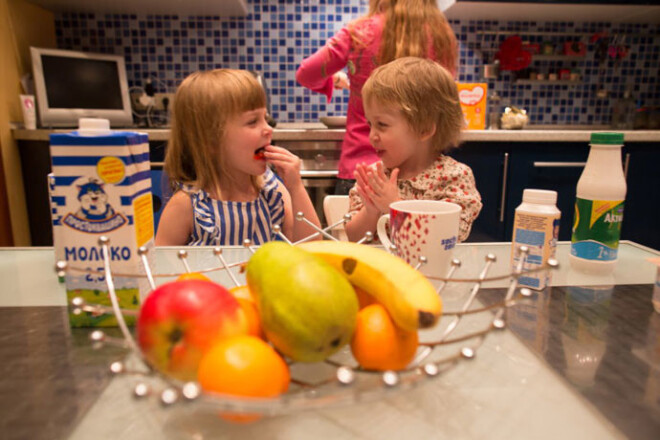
(364, 299)
(242, 292)
(193, 276)
(243, 366)
(378, 344)
(244, 298)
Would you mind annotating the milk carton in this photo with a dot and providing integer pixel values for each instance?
(100, 185)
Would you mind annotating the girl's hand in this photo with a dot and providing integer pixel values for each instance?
(384, 189)
(363, 189)
(286, 164)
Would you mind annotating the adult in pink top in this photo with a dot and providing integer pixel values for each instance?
(357, 47)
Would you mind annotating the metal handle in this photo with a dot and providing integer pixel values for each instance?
(626, 163)
(318, 173)
(559, 164)
(503, 195)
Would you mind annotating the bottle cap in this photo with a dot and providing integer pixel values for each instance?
(94, 127)
(607, 138)
(540, 196)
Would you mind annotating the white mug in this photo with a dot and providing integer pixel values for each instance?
(427, 228)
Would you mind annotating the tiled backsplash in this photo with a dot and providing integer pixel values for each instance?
(276, 36)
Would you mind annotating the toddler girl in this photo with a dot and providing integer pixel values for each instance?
(217, 158)
(414, 115)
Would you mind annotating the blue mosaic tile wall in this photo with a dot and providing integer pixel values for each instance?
(276, 36)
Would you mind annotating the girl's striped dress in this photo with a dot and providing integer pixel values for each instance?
(219, 223)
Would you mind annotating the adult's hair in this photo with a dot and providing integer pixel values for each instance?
(426, 94)
(411, 27)
(203, 104)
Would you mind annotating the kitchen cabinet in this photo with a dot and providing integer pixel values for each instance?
(503, 170)
(534, 165)
(641, 216)
(489, 163)
(504, 163)
(609, 11)
(223, 8)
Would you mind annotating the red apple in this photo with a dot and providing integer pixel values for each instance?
(181, 320)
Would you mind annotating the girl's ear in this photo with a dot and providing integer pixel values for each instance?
(428, 132)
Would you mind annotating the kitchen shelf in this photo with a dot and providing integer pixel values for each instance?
(540, 57)
(554, 82)
(542, 11)
(562, 34)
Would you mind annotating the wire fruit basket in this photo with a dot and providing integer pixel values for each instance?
(338, 380)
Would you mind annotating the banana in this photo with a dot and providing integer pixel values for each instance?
(408, 296)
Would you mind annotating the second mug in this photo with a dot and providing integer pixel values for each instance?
(427, 228)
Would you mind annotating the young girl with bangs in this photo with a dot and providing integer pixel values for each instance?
(391, 29)
(218, 157)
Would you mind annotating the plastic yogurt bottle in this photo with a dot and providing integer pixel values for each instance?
(600, 196)
(536, 225)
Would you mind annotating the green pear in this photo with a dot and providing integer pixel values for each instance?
(308, 310)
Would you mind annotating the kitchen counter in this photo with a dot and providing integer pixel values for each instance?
(574, 362)
(318, 132)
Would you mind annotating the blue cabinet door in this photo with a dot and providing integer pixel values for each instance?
(552, 166)
(641, 215)
(488, 163)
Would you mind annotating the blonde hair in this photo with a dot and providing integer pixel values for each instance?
(426, 94)
(410, 28)
(203, 104)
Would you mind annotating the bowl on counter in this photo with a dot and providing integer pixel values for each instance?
(333, 121)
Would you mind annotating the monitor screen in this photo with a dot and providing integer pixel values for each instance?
(81, 83)
(70, 85)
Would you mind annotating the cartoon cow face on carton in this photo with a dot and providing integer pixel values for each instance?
(93, 201)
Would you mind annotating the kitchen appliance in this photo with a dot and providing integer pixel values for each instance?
(70, 85)
(318, 169)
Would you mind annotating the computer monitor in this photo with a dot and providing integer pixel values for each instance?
(70, 85)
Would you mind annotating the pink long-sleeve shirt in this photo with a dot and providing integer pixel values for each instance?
(359, 55)
(341, 51)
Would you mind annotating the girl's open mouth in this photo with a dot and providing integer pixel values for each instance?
(259, 153)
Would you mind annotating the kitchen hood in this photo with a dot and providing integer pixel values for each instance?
(519, 11)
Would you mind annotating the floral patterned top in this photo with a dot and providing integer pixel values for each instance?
(446, 180)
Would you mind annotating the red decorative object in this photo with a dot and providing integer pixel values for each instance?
(512, 56)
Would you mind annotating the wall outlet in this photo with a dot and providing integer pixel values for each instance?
(158, 100)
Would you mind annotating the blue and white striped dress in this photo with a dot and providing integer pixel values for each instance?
(219, 223)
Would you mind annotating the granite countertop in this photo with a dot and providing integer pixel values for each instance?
(578, 360)
(313, 131)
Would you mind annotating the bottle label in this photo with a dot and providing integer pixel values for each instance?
(596, 229)
(539, 234)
